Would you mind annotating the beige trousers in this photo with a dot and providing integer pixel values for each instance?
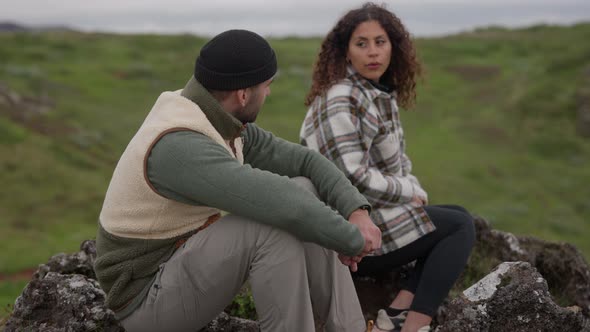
(291, 281)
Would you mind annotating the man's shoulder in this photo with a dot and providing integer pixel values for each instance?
(183, 134)
(251, 129)
(180, 140)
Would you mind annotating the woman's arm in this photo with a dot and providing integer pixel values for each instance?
(343, 131)
(407, 172)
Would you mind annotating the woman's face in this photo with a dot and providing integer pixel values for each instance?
(369, 50)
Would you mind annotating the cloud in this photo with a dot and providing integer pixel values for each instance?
(287, 17)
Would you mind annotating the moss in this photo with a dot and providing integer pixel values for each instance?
(480, 263)
(504, 281)
(243, 305)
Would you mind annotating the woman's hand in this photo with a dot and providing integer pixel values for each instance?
(420, 200)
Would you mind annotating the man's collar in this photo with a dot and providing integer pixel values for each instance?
(226, 124)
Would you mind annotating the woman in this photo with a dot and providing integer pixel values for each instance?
(366, 66)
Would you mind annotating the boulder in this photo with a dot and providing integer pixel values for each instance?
(560, 264)
(62, 302)
(514, 297)
(23, 108)
(550, 280)
(226, 323)
(81, 262)
(63, 295)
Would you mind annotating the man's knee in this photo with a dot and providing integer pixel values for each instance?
(248, 233)
(306, 184)
(273, 239)
(285, 241)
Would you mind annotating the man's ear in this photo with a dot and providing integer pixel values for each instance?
(242, 96)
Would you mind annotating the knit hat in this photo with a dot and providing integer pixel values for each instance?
(235, 59)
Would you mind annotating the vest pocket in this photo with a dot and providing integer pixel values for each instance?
(156, 285)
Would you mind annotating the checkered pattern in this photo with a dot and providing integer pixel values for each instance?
(357, 126)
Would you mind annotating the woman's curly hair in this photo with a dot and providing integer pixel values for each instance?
(403, 69)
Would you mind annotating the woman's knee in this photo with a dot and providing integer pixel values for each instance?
(453, 219)
(454, 207)
(467, 228)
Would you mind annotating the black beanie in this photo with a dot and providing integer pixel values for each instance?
(235, 59)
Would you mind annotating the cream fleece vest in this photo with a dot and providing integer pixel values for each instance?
(132, 208)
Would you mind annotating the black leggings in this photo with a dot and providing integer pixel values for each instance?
(440, 257)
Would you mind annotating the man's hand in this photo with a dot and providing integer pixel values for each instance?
(370, 232)
(349, 261)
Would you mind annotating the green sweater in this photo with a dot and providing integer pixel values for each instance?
(191, 168)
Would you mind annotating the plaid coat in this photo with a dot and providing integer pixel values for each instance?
(357, 126)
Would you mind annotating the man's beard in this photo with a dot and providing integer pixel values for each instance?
(249, 112)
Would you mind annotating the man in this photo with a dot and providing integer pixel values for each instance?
(167, 258)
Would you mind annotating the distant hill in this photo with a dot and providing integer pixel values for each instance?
(10, 26)
(16, 27)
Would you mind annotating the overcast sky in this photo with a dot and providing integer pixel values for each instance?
(285, 17)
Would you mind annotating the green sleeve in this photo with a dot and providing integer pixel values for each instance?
(191, 168)
(265, 151)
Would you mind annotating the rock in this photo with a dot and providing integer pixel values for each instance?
(377, 292)
(8, 97)
(81, 262)
(62, 302)
(63, 295)
(225, 322)
(32, 112)
(560, 264)
(23, 107)
(514, 297)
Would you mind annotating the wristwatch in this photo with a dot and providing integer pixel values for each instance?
(366, 207)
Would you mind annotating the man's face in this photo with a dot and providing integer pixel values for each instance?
(256, 96)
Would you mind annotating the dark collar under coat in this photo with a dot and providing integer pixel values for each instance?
(373, 89)
(226, 124)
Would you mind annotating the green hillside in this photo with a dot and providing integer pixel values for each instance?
(494, 128)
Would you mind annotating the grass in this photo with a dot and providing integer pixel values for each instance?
(493, 129)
